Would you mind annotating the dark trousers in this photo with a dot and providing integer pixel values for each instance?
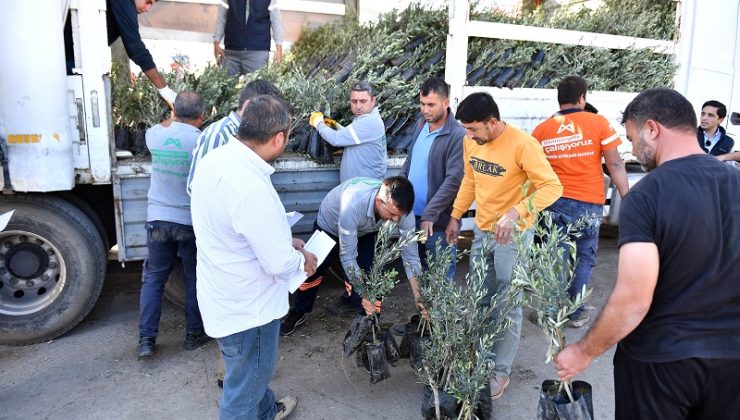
(684, 389)
(164, 241)
(305, 296)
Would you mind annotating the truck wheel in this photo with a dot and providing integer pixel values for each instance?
(52, 267)
(174, 289)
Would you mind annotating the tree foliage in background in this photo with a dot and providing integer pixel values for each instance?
(402, 48)
(137, 103)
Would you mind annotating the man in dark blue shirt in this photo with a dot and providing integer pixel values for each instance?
(122, 21)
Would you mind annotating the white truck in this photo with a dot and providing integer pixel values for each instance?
(73, 199)
(706, 49)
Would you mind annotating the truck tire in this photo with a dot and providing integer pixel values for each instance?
(52, 268)
(89, 212)
(174, 289)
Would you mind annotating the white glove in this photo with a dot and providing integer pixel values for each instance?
(168, 95)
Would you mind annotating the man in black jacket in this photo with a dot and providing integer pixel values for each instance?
(122, 21)
(711, 136)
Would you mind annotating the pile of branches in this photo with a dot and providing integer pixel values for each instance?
(137, 105)
(403, 48)
(373, 345)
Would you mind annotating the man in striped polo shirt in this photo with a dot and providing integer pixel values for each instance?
(219, 133)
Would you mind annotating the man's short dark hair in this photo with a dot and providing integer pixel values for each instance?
(189, 105)
(265, 116)
(258, 87)
(477, 107)
(436, 85)
(400, 191)
(571, 88)
(721, 108)
(363, 86)
(662, 105)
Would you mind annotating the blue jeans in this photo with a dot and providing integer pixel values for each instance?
(500, 261)
(430, 245)
(249, 360)
(164, 241)
(567, 211)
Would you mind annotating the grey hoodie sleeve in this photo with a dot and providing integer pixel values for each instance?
(276, 23)
(364, 129)
(218, 35)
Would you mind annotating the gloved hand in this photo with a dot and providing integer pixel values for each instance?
(330, 123)
(315, 119)
(168, 95)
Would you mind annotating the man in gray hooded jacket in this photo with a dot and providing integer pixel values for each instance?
(435, 165)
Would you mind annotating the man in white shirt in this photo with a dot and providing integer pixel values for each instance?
(246, 258)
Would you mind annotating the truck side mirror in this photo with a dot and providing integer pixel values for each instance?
(735, 118)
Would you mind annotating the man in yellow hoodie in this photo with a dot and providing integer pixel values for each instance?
(499, 159)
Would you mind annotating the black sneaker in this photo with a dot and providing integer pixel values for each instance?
(344, 308)
(194, 340)
(146, 346)
(291, 321)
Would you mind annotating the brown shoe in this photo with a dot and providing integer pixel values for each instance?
(498, 385)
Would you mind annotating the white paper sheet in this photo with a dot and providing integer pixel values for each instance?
(4, 219)
(320, 244)
(293, 217)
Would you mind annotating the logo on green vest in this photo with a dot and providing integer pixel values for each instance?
(176, 142)
(364, 180)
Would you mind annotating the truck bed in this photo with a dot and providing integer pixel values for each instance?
(300, 183)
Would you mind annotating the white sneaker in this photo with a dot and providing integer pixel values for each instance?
(285, 407)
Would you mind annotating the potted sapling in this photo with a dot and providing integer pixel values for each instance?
(457, 356)
(546, 274)
(376, 347)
